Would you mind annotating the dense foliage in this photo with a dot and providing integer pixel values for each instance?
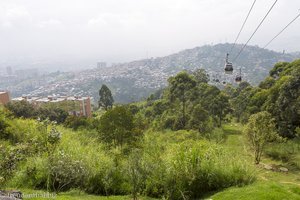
(28, 110)
(189, 102)
(278, 94)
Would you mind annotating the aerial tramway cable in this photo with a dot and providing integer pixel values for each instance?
(255, 31)
(282, 30)
(238, 35)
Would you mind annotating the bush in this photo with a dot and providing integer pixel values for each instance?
(22, 109)
(216, 135)
(3, 126)
(66, 172)
(52, 113)
(33, 174)
(11, 156)
(75, 122)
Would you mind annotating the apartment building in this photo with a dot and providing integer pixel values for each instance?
(74, 105)
(4, 97)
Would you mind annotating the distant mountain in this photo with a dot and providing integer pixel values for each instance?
(135, 80)
(254, 61)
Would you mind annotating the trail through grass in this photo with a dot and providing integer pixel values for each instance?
(270, 185)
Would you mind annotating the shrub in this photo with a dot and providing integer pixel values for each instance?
(66, 172)
(11, 156)
(216, 135)
(75, 122)
(3, 126)
(33, 174)
(22, 109)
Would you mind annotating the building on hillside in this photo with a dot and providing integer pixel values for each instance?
(74, 105)
(101, 65)
(4, 97)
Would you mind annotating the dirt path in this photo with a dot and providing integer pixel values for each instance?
(287, 182)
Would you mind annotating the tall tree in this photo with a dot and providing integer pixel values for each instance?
(180, 88)
(220, 107)
(106, 99)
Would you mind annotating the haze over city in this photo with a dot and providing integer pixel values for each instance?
(84, 32)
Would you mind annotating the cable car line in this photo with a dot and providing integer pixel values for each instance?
(255, 31)
(238, 35)
(282, 30)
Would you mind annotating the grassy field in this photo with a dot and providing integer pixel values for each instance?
(270, 185)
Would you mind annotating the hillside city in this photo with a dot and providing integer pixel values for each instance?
(140, 78)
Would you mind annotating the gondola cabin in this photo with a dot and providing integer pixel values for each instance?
(238, 78)
(228, 66)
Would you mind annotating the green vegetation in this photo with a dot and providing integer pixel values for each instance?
(188, 141)
(106, 99)
(259, 131)
(261, 190)
(57, 112)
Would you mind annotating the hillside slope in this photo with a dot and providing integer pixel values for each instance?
(135, 80)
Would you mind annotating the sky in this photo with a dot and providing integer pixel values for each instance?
(125, 30)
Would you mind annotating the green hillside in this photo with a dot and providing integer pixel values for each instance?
(188, 141)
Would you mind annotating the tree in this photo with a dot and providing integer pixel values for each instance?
(240, 104)
(106, 99)
(259, 131)
(180, 88)
(201, 76)
(220, 107)
(288, 106)
(283, 98)
(52, 113)
(22, 109)
(200, 119)
(117, 127)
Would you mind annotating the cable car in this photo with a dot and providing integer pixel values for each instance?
(228, 66)
(238, 78)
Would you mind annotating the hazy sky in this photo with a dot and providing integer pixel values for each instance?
(124, 30)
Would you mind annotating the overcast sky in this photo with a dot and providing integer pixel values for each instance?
(124, 30)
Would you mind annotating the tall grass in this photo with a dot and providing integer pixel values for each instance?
(287, 152)
(171, 165)
(192, 168)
